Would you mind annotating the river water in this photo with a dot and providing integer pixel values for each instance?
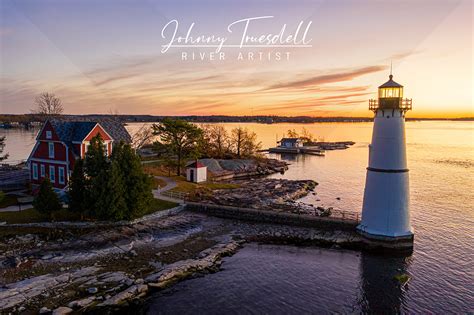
(286, 279)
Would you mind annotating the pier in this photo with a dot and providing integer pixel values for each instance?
(312, 148)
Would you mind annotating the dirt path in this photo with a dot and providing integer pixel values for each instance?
(170, 184)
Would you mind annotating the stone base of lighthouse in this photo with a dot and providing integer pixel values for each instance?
(385, 212)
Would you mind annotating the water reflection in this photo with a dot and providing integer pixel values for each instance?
(380, 292)
(288, 157)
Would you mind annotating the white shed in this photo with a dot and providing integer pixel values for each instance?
(196, 172)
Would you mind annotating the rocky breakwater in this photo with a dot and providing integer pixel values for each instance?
(221, 169)
(262, 193)
(208, 261)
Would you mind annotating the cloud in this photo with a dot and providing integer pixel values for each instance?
(403, 55)
(117, 77)
(329, 78)
(309, 104)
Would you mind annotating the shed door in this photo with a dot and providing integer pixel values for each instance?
(191, 175)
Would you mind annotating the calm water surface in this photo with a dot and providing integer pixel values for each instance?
(282, 279)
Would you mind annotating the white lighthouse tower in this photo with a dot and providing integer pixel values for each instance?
(386, 207)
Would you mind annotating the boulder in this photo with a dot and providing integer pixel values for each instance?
(62, 310)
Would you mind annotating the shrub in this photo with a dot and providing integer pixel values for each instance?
(77, 189)
(47, 200)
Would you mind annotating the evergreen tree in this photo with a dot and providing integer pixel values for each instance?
(109, 191)
(96, 157)
(138, 195)
(180, 137)
(78, 193)
(47, 200)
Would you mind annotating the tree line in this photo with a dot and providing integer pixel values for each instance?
(179, 141)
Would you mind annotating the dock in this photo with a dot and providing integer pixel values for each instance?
(311, 148)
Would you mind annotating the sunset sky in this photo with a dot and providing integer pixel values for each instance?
(103, 56)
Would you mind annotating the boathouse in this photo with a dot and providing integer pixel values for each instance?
(60, 143)
(291, 142)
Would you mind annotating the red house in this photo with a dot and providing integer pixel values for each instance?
(60, 143)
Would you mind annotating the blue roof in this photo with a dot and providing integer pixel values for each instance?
(76, 131)
(292, 140)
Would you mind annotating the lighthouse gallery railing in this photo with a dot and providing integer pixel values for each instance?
(404, 104)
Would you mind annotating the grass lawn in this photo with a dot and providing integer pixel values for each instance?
(155, 168)
(160, 205)
(32, 216)
(8, 200)
(149, 158)
(188, 187)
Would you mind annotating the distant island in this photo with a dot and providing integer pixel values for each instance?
(125, 118)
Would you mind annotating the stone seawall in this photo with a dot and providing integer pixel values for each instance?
(332, 230)
(57, 225)
(268, 216)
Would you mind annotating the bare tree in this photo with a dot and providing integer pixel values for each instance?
(237, 139)
(114, 115)
(142, 137)
(306, 135)
(244, 142)
(48, 104)
(292, 133)
(216, 141)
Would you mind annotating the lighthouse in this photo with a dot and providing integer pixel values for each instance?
(386, 206)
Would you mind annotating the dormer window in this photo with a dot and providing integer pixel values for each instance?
(49, 134)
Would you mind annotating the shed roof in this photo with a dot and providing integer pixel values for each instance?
(195, 164)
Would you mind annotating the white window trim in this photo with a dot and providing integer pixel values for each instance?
(106, 146)
(51, 152)
(63, 179)
(49, 134)
(86, 145)
(48, 161)
(52, 171)
(42, 170)
(35, 170)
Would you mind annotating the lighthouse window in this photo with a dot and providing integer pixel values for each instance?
(390, 92)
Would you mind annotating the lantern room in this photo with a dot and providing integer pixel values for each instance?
(390, 97)
(391, 89)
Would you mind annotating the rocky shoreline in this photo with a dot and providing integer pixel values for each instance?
(259, 193)
(98, 271)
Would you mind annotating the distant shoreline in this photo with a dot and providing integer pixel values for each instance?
(30, 118)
